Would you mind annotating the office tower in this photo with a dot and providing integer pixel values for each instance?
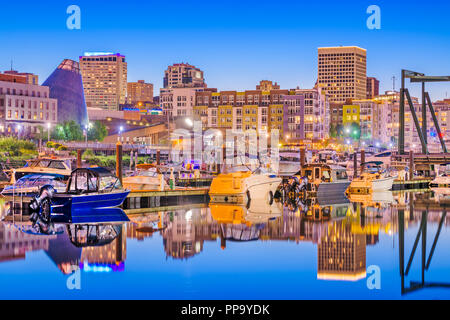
(373, 87)
(104, 80)
(139, 92)
(342, 73)
(66, 86)
(183, 75)
(24, 107)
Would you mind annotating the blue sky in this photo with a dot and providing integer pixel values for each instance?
(236, 43)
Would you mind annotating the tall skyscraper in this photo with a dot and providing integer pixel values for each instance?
(373, 87)
(183, 75)
(343, 73)
(66, 86)
(104, 79)
(139, 92)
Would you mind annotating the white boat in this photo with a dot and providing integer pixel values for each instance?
(31, 184)
(60, 166)
(145, 179)
(244, 187)
(441, 184)
(373, 179)
(327, 180)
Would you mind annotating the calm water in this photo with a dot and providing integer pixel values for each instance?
(315, 251)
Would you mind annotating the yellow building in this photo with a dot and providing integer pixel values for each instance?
(351, 114)
(225, 117)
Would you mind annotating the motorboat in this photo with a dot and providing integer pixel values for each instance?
(326, 180)
(87, 189)
(373, 179)
(61, 166)
(441, 184)
(145, 179)
(31, 184)
(244, 186)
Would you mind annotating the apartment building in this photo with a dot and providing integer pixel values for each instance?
(297, 114)
(183, 75)
(25, 107)
(139, 92)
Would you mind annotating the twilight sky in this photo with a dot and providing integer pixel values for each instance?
(236, 43)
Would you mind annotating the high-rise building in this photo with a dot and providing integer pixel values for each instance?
(183, 75)
(139, 92)
(373, 87)
(66, 86)
(342, 73)
(104, 79)
(25, 108)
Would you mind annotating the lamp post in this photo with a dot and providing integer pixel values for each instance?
(48, 131)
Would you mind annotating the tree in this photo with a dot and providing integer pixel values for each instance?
(68, 131)
(97, 132)
(333, 131)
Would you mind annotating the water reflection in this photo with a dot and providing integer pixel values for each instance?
(343, 235)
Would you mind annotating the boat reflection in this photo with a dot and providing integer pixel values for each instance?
(343, 232)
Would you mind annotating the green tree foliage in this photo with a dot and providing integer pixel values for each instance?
(14, 147)
(68, 131)
(97, 132)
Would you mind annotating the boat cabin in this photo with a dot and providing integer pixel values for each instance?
(319, 172)
(93, 180)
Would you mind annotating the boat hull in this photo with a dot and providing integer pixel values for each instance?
(66, 203)
(332, 190)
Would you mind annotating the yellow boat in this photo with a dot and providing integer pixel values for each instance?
(243, 187)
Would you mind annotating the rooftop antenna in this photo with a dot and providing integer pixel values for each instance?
(393, 83)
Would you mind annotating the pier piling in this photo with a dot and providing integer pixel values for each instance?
(119, 161)
(355, 165)
(363, 160)
(411, 165)
(79, 160)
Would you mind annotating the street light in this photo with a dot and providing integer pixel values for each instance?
(48, 131)
(189, 122)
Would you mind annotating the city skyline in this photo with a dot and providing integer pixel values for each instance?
(266, 41)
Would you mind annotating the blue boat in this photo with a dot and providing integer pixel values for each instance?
(87, 189)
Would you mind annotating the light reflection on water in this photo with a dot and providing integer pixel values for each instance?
(311, 251)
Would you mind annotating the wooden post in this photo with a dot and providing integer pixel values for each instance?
(363, 159)
(119, 161)
(302, 157)
(411, 165)
(355, 165)
(79, 160)
(158, 157)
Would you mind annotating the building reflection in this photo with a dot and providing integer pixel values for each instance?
(14, 244)
(104, 252)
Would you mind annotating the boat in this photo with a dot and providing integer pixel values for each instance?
(441, 184)
(373, 179)
(87, 189)
(326, 180)
(244, 186)
(61, 166)
(31, 184)
(145, 178)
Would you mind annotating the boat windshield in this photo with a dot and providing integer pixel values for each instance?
(109, 183)
(341, 175)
